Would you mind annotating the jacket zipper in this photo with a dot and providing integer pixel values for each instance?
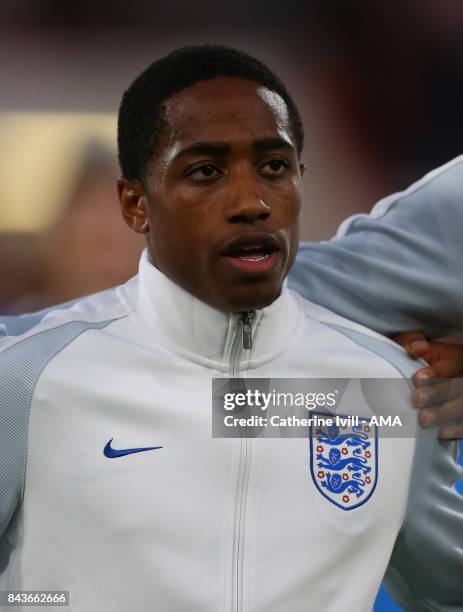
(242, 341)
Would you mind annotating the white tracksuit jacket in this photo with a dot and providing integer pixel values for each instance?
(205, 524)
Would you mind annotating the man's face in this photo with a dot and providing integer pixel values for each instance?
(223, 194)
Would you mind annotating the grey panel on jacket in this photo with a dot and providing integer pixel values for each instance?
(21, 365)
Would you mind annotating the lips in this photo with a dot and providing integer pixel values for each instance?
(251, 254)
(247, 243)
(255, 253)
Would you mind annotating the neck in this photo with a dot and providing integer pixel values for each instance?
(202, 330)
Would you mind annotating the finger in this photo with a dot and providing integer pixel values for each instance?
(451, 432)
(438, 393)
(413, 342)
(423, 377)
(444, 414)
(444, 367)
(447, 366)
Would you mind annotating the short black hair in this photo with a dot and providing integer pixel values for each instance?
(141, 116)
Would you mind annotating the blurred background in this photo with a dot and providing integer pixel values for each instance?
(378, 85)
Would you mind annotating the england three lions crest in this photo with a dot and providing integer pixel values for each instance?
(344, 459)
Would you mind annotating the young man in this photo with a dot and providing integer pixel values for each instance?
(112, 487)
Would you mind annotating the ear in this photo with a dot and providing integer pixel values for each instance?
(132, 199)
(302, 168)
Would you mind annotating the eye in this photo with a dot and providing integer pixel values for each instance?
(275, 166)
(203, 173)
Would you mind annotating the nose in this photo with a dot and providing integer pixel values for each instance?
(247, 205)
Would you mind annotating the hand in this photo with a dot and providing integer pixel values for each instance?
(439, 386)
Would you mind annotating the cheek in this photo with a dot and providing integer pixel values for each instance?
(296, 195)
(285, 201)
(286, 212)
(180, 233)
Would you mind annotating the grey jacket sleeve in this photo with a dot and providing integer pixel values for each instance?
(399, 268)
(425, 572)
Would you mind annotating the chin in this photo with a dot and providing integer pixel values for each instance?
(254, 298)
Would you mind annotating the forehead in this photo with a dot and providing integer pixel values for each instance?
(225, 109)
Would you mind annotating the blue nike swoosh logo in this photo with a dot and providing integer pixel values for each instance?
(111, 453)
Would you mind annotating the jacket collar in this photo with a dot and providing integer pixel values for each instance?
(202, 332)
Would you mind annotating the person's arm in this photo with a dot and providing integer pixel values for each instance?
(425, 572)
(398, 268)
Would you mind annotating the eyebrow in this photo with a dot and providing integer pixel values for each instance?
(221, 149)
(266, 144)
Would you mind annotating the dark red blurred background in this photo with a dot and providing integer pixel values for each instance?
(378, 85)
